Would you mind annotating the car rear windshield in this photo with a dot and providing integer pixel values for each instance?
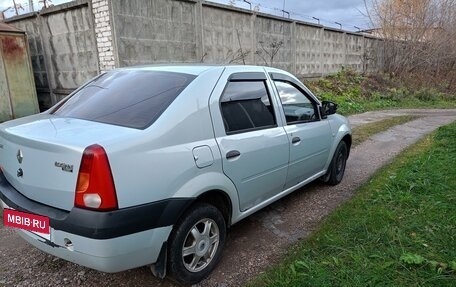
(126, 98)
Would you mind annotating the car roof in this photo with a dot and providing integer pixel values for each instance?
(193, 69)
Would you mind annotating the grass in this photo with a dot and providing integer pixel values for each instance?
(399, 230)
(357, 93)
(363, 132)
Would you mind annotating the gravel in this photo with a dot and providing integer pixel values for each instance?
(254, 243)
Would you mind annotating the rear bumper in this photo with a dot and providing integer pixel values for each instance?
(106, 241)
(95, 224)
(107, 255)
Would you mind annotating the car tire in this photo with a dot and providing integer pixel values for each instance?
(196, 244)
(336, 168)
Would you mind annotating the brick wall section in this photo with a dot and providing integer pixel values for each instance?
(100, 9)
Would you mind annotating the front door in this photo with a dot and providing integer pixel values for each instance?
(309, 136)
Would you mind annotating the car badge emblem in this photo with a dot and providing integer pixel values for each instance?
(64, 166)
(19, 156)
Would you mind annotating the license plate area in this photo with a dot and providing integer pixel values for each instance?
(36, 224)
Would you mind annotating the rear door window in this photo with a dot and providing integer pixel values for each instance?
(246, 106)
(126, 98)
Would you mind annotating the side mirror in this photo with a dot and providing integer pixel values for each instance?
(328, 108)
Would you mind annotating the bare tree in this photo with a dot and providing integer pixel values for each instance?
(267, 53)
(203, 57)
(17, 7)
(46, 3)
(241, 54)
(367, 58)
(419, 36)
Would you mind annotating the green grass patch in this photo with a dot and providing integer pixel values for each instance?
(399, 230)
(357, 93)
(363, 132)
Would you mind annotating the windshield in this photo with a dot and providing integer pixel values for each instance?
(126, 98)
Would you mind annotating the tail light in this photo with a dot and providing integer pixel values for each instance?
(95, 186)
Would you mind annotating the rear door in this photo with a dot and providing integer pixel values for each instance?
(309, 136)
(249, 132)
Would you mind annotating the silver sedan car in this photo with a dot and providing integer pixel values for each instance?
(151, 165)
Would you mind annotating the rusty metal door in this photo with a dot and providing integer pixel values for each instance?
(17, 87)
(5, 104)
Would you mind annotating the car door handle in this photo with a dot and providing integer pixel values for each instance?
(295, 140)
(232, 154)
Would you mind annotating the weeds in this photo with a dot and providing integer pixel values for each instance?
(356, 93)
(418, 261)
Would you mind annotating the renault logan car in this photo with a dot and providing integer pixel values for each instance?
(151, 165)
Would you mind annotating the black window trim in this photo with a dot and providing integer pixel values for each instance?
(250, 130)
(248, 77)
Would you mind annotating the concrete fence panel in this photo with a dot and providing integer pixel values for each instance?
(158, 31)
(274, 42)
(309, 50)
(227, 37)
(70, 46)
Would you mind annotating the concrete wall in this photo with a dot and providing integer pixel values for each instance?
(269, 32)
(63, 48)
(309, 54)
(72, 42)
(226, 37)
(159, 31)
(164, 31)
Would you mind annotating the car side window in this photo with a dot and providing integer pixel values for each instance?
(246, 106)
(296, 105)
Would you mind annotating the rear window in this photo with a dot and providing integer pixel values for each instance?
(126, 98)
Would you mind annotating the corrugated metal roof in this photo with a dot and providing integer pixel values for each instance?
(8, 28)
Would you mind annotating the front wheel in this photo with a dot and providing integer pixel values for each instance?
(196, 244)
(336, 169)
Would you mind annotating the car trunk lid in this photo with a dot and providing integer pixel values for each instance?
(41, 157)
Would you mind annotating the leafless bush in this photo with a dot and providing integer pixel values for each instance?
(419, 36)
(268, 52)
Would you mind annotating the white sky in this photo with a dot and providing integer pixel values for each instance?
(349, 13)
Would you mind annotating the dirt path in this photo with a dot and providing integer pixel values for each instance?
(253, 244)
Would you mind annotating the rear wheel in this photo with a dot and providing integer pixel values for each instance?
(336, 169)
(196, 244)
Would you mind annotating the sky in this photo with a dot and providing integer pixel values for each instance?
(349, 13)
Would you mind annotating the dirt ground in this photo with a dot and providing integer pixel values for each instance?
(254, 243)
